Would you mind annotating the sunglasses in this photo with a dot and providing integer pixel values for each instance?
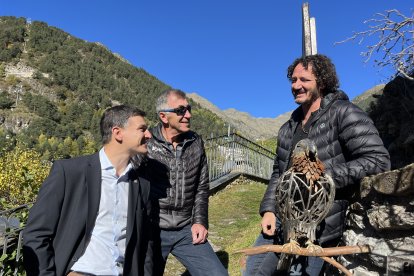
(181, 110)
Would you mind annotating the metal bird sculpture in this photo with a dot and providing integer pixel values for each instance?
(304, 196)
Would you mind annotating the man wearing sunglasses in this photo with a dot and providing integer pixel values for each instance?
(179, 191)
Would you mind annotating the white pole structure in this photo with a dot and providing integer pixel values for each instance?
(313, 35)
(309, 46)
(306, 35)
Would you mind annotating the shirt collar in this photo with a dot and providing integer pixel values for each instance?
(106, 164)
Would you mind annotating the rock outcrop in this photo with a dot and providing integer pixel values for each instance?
(393, 114)
(383, 218)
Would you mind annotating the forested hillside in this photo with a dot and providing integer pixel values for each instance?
(54, 88)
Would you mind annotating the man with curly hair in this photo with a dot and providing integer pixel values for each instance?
(348, 144)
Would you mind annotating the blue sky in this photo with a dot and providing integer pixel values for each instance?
(232, 52)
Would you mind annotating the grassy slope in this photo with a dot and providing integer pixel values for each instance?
(234, 223)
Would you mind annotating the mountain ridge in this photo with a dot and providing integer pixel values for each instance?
(249, 126)
(57, 85)
(54, 88)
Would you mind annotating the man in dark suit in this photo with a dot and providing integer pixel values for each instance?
(90, 214)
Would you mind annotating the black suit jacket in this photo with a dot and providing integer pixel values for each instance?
(61, 221)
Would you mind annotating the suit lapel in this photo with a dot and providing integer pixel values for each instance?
(93, 186)
(145, 189)
(138, 197)
(139, 189)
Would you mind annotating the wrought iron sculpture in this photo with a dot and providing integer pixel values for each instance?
(304, 196)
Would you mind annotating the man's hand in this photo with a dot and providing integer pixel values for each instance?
(199, 233)
(269, 223)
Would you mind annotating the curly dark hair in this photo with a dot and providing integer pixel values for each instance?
(322, 68)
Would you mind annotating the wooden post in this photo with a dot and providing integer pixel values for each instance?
(313, 35)
(306, 35)
(309, 46)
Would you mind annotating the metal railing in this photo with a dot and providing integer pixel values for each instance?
(11, 239)
(234, 153)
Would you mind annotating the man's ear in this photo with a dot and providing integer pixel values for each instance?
(117, 133)
(163, 117)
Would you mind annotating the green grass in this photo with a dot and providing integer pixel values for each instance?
(234, 223)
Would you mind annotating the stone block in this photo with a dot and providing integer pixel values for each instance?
(391, 217)
(395, 183)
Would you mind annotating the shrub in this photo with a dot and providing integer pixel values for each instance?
(21, 175)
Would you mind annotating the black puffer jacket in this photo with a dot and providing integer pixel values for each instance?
(179, 181)
(348, 144)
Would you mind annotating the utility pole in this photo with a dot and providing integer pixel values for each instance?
(309, 46)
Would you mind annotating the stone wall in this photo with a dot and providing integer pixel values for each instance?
(393, 114)
(383, 218)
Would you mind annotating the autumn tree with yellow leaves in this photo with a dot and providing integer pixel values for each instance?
(22, 173)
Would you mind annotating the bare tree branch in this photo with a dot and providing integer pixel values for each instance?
(337, 265)
(395, 45)
(324, 254)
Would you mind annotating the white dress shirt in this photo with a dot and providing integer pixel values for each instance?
(104, 254)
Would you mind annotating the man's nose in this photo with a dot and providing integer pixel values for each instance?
(187, 114)
(147, 134)
(297, 85)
